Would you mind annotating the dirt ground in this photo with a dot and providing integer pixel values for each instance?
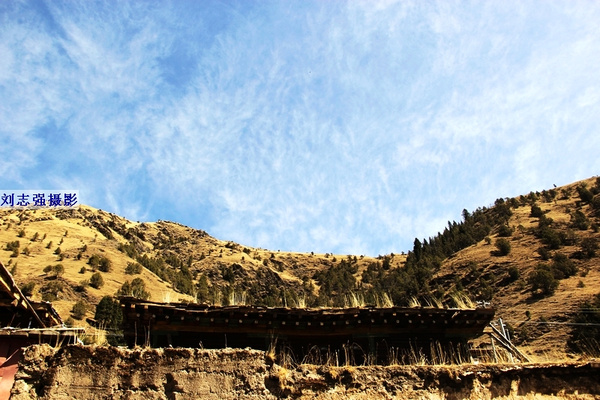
(88, 372)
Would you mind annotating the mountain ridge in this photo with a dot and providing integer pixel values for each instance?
(167, 261)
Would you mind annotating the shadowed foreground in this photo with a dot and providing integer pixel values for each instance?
(85, 372)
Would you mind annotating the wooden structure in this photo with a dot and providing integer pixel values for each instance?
(22, 323)
(16, 310)
(361, 331)
(501, 336)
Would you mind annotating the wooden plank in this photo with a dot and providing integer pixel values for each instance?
(507, 344)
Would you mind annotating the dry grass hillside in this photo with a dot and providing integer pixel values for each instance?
(542, 321)
(184, 264)
(555, 232)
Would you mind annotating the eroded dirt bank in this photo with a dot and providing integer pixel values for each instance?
(115, 373)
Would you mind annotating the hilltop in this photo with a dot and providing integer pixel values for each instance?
(533, 257)
(174, 262)
(556, 230)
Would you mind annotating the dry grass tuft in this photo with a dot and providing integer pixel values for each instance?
(237, 299)
(300, 302)
(166, 297)
(385, 301)
(271, 352)
(414, 303)
(433, 302)
(95, 336)
(354, 300)
(462, 301)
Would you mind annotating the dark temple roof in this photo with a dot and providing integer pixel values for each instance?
(16, 310)
(192, 325)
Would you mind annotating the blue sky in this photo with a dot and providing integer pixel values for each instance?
(330, 126)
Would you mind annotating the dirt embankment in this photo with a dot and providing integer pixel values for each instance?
(114, 373)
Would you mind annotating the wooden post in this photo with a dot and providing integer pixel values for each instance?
(494, 350)
(507, 344)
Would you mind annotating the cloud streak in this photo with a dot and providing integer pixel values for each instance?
(338, 127)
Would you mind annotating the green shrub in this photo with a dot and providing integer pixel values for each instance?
(542, 280)
(55, 270)
(562, 267)
(551, 238)
(133, 268)
(513, 273)
(505, 231)
(58, 270)
(503, 246)
(585, 336)
(105, 264)
(94, 261)
(536, 211)
(79, 309)
(486, 292)
(589, 246)
(596, 204)
(108, 313)
(27, 289)
(137, 289)
(51, 290)
(580, 221)
(100, 262)
(128, 249)
(48, 297)
(12, 246)
(202, 292)
(96, 281)
(544, 253)
(584, 193)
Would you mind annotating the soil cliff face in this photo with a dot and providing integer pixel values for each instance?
(85, 372)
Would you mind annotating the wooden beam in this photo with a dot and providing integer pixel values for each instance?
(507, 344)
(9, 285)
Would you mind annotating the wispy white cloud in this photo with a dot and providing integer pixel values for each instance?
(345, 127)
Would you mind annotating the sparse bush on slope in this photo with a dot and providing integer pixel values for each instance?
(585, 336)
(96, 281)
(503, 246)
